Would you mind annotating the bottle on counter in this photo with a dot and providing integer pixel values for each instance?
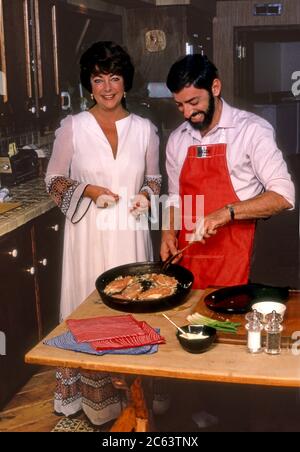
(254, 328)
(273, 329)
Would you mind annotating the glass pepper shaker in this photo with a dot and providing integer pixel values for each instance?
(254, 328)
(273, 330)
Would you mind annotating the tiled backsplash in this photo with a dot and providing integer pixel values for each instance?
(28, 138)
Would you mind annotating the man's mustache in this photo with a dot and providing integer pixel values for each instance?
(196, 113)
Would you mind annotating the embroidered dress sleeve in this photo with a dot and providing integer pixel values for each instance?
(65, 192)
(153, 178)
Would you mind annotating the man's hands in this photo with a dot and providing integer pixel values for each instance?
(169, 245)
(205, 228)
(212, 222)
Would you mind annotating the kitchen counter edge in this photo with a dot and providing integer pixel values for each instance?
(34, 200)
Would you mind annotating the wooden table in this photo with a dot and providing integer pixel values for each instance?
(223, 363)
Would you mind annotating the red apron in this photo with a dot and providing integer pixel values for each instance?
(224, 260)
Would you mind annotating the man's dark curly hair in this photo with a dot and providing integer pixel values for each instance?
(106, 57)
(194, 70)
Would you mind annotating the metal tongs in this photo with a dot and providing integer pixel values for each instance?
(196, 237)
(170, 259)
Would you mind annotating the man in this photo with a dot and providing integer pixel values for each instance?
(231, 158)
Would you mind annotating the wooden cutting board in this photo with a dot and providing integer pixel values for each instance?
(290, 324)
(7, 206)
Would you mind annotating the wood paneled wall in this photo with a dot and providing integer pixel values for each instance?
(98, 5)
(154, 66)
(232, 14)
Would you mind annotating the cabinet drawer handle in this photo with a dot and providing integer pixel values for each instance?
(14, 253)
(31, 270)
(44, 262)
(55, 227)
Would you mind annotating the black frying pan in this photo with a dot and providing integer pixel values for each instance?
(184, 276)
(239, 299)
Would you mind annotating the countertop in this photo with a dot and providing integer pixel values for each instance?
(223, 363)
(34, 202)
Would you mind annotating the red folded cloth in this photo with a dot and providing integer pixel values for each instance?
(106, 327)
(105, 333)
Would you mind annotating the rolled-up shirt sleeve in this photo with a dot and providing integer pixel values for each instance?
(65, 192)
(269, 165)
(255, 163)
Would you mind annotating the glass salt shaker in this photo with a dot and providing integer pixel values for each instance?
(273, 329)
(254, 328)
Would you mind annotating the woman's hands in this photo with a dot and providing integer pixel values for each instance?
(140, 205)
(101, 196)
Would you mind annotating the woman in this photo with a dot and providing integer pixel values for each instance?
(107, 158)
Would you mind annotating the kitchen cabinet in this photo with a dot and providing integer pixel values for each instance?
(89, 26)
(15, 91)
(256, 82)
(43, 22)
(18, 310)
(30, 268)
(48, 244)
(28, 63)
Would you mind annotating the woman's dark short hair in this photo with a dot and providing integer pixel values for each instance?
(194, 70)
(106, 57)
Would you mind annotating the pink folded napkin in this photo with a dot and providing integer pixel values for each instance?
(113, 332)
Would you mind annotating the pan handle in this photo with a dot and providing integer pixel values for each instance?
(170, 259)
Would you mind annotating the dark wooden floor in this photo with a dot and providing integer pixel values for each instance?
(236, 407)
(31, 410)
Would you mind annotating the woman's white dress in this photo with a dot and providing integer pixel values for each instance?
(98, 239)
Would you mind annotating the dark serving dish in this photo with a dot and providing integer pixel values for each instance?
(184, 276)
(197, 345)
(239, 299)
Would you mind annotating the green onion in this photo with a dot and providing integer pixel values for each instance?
(225, 327)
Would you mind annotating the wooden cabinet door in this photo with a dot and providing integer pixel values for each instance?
(3, 70)
(49, 247)
(15, 61)
(18, 317)
(257, 82)
(28, 64)
(46, 62)
(88, 26)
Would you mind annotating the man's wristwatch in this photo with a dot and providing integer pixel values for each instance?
(231, 210)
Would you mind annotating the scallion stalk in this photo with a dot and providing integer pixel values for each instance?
(225, 327)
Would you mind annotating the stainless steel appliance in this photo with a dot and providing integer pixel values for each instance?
(19, 168)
